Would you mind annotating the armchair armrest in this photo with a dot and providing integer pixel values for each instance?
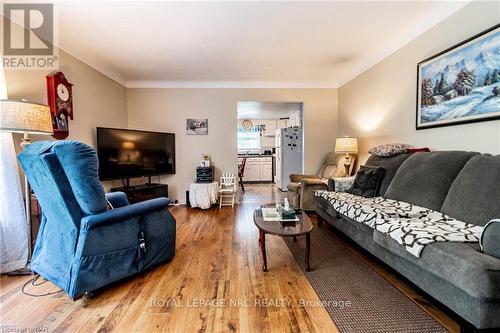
(313, 181)
(117, 199)
(297, 178)
(125, 212)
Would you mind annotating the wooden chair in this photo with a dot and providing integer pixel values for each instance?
(227, 189)
(241, 172)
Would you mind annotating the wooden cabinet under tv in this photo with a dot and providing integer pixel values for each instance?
(144, 192)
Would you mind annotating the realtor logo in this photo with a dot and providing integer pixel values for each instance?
(28, 36)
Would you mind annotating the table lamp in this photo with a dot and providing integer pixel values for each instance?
(21, 116)
(346, 146)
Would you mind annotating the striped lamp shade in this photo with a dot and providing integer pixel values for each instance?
(25, 117)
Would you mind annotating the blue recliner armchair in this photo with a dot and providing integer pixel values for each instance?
(83, 244)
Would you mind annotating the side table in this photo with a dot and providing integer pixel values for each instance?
(203, 195)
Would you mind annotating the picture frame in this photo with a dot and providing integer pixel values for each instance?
(461, 84)
(197, 126)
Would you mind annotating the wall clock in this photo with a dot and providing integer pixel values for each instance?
(247, 124)
(60, 100)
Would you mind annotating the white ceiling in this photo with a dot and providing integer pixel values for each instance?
(267, 110)
(241, 44)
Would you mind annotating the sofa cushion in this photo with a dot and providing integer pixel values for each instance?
(367, 181)
(425, 178)
(390, 165)
(412, 226)
(490, 237)
(461, 264)
(474, 196)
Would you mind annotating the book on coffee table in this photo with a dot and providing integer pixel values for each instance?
(271, 214)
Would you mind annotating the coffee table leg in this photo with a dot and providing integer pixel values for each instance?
(262, 239)
(308, 250)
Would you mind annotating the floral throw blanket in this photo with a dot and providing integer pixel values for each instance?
(410, 225)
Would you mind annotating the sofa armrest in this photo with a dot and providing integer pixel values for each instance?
(125, 212)
(313, 181)
(297, 178)
(117, 199)
(490, 238)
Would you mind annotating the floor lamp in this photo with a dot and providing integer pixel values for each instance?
(21, 116)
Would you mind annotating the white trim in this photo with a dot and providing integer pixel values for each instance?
(427, 24)
(229, 84)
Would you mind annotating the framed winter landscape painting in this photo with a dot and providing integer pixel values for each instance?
(461, 84)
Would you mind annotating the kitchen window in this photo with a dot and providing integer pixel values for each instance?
(248, 140)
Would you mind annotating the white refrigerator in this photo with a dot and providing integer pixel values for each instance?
(288, 155)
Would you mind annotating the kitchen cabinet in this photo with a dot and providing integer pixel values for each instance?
(281, 123)
(258, 169)
(295, 120)
(270, 127)
(266, 171)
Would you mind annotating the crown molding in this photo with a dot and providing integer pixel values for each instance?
(432, 20)
(100, 69)
(231, 84)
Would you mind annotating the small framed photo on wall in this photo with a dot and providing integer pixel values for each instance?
(197, 126)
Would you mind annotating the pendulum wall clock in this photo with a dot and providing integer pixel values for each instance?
(60, 100)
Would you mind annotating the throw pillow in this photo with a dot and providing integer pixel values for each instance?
(367, 182)
(418, 150)
(390, 149)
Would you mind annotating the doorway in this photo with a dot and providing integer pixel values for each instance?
(270, 143)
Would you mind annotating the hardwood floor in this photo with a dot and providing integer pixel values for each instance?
(217, 258)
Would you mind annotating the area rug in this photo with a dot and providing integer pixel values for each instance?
(339, 277)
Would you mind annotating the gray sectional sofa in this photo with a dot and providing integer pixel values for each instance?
(463, 185)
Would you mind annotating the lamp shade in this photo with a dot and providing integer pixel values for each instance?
(346, 145)
(25, 117)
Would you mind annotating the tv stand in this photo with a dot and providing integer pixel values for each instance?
(144, 192)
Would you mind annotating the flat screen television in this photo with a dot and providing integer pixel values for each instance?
(125, 153)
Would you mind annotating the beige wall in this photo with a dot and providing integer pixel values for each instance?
(167, 110)
(378, 106)
(97, 99)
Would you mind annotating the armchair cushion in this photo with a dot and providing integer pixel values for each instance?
(329, 171)
(80, 165)
(117, 199)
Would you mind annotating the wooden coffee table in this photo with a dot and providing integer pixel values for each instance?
(283, 229)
